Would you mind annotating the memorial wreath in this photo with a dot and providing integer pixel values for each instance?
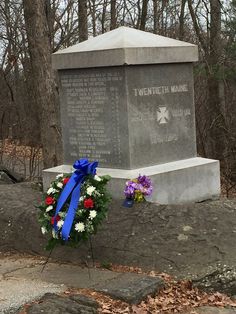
(74, 205)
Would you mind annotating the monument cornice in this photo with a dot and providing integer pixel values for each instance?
(124, 46)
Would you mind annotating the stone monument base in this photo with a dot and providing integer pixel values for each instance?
(189, 180)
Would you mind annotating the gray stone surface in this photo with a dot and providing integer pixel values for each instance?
(94, 116)
(128, 117)
(131, 289)
(63, 274)
(161, 114)
(8, 177)
(127, 102)
(50, 174)
(222, 279)
(4, 178)
(20, 216)
(16, 291)
(184, 239)
(125, 46)
(179, 182)
(84, 300)
(21, 275)
(195, 179)
(55, 304)
(17, 287)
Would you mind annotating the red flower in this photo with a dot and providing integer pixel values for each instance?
(49, 200)
(53, 219)
(88, 203)
(66, 180)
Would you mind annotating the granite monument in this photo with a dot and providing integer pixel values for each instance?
(127, 100)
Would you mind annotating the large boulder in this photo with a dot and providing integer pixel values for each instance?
(52, 303)
(9, 177)
(183, 240)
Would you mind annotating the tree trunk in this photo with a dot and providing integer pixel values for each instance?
(216, 125)
(83, 20)
(92, 11)
(181, 20)
(103, 19)
(144, 15)
(155, 17)
(50, 20)
(139, 14)
(216, 131)
(45, 91)
(162, 17)
(215, 31)
(113, 14)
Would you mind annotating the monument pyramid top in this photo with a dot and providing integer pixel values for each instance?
(122, 46)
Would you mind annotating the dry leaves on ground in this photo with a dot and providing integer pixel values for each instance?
(177, 297)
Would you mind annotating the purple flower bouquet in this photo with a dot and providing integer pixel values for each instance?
(137, 189)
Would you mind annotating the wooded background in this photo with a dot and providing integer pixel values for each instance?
(31, 30)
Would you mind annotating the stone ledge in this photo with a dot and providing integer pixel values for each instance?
(131, 288)
(183, 181)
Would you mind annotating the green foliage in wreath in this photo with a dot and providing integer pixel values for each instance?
(91, 211)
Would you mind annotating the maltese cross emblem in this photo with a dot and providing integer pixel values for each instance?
(163, 115)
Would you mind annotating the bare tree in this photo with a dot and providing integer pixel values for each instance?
(181, 19)
(83, 20)
(27, 87)
(211, 44)
(155, 17)
(214, 103)
(143, 19)
(43, 79)
(92, 13)
(113, 14)
(103, 16)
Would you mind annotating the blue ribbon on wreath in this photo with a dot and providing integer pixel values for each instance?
(83, 168)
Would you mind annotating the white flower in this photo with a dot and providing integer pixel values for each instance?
(60, 223)
(59, 175)
(60, 185)
(49, 208)
(43, 230)
(54, 234)
(90, 190)
(80, 227)
(51, 191)
(81, 199)
(97, 178)
(92, 214)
